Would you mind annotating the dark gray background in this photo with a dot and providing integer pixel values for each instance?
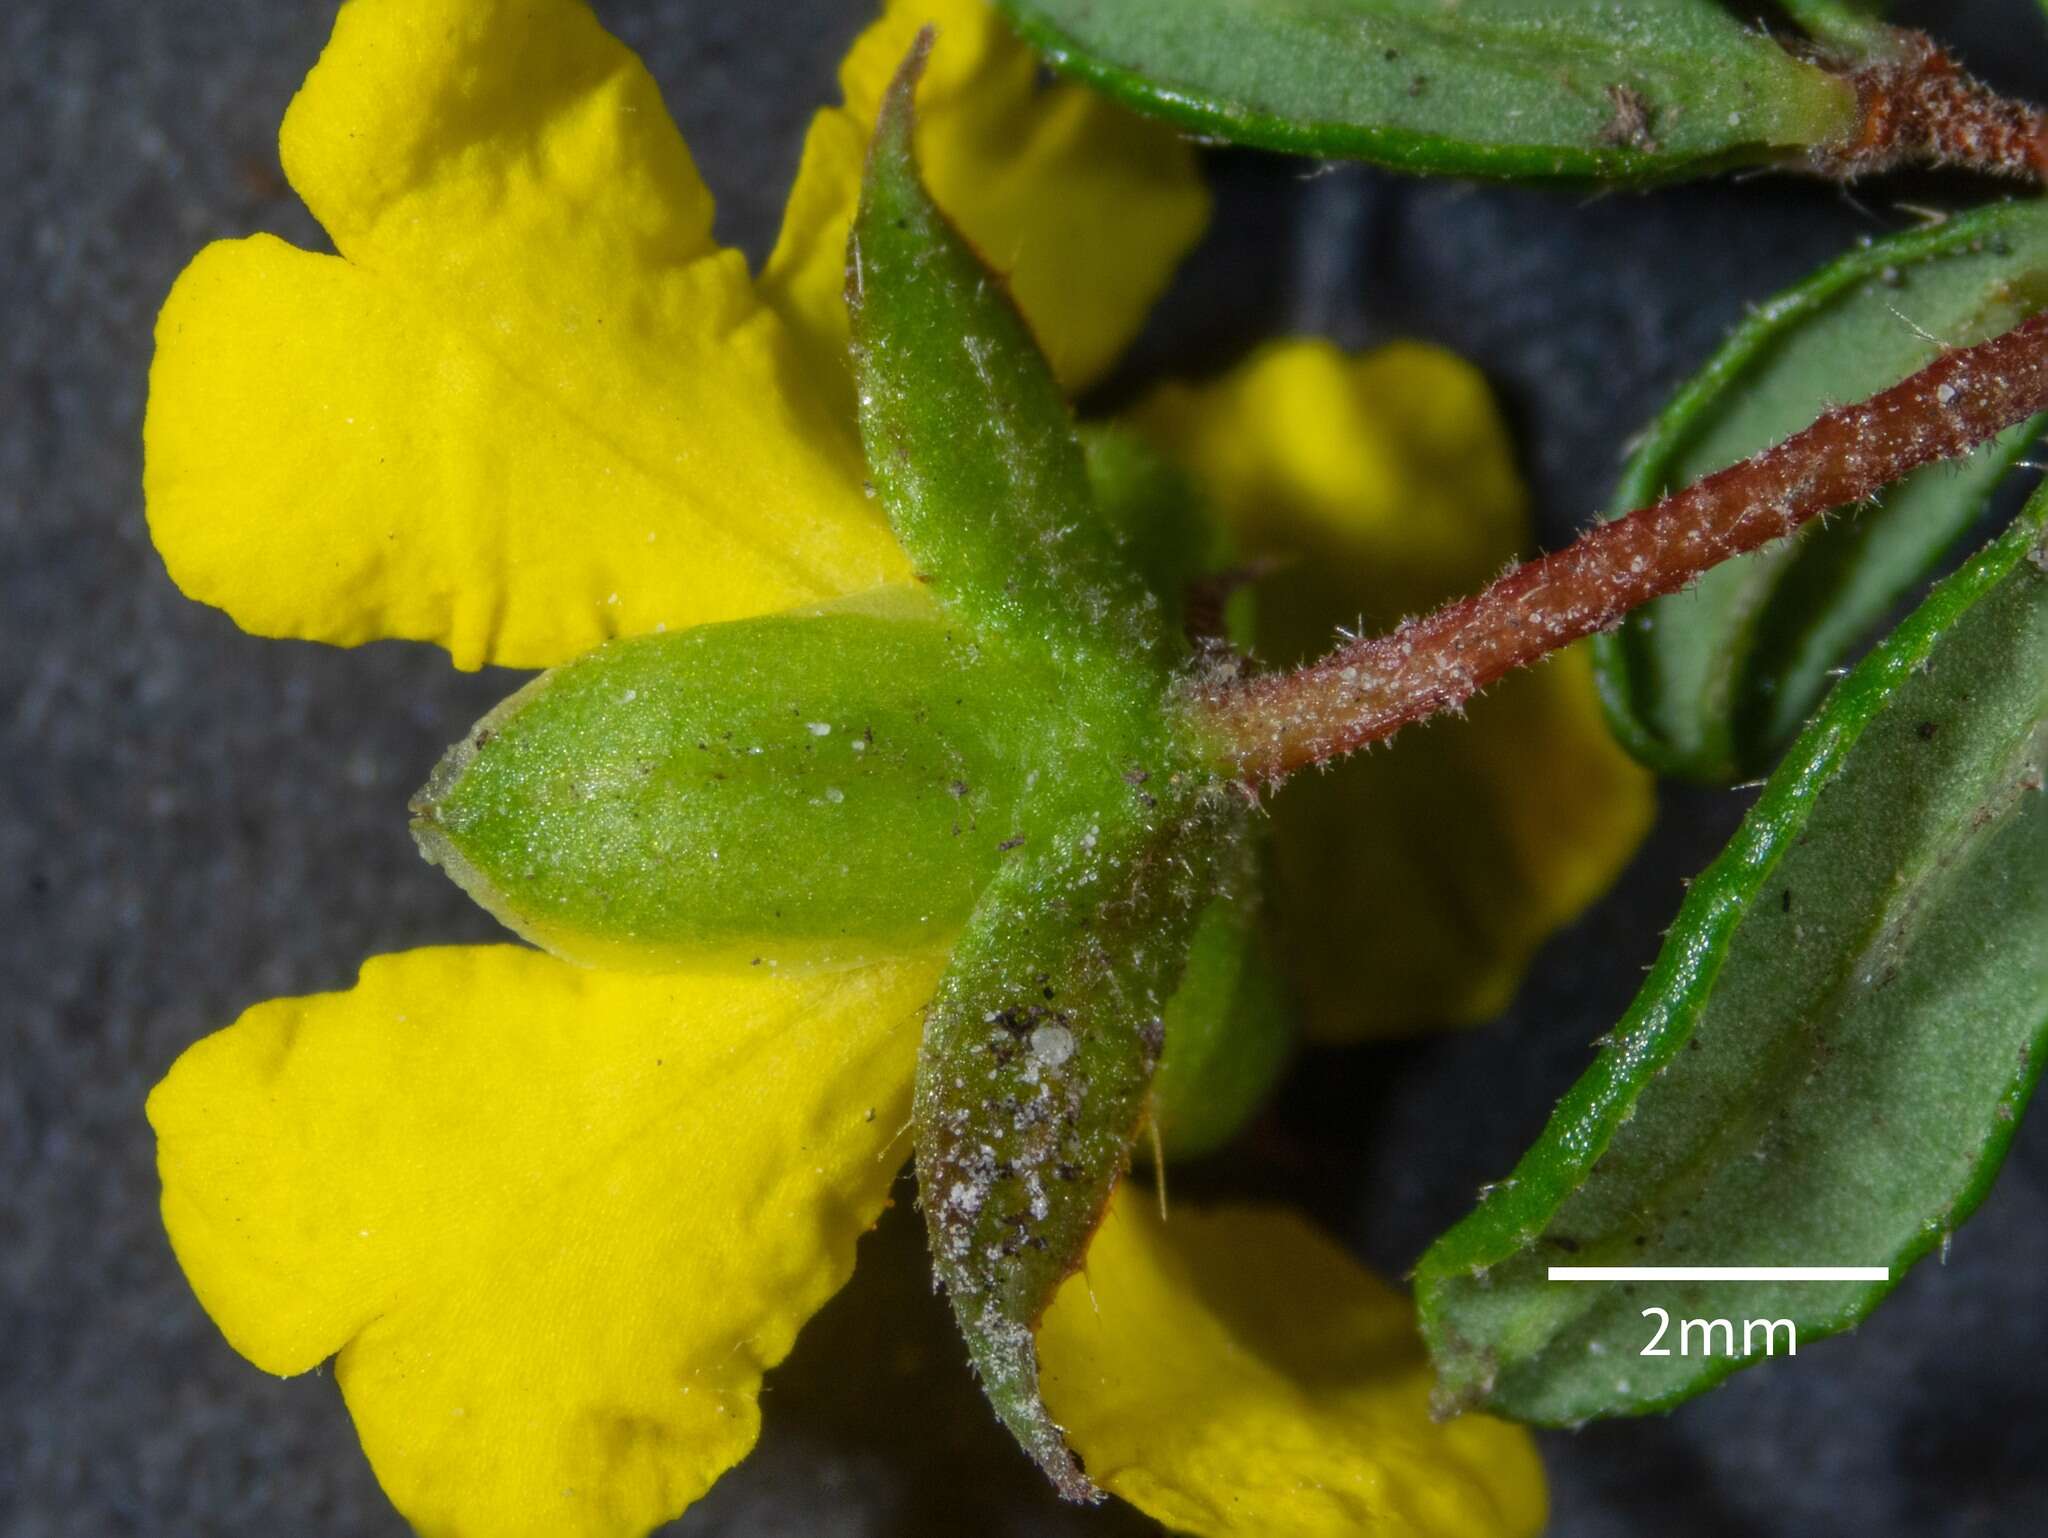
(193, 820)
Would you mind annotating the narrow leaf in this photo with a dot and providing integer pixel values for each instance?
(1713, 682)
(1830, 1056)
(1523, 88)
(969, 440)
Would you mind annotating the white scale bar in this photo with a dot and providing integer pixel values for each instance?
(1720, 1273)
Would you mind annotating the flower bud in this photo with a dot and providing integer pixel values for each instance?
(815, 789)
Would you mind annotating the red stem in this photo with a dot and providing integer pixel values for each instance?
(1266, 727)
(1920, 107)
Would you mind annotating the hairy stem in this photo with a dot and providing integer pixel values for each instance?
(1267, 726)
(1920, 107)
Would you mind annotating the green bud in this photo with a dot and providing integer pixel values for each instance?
(814, 789)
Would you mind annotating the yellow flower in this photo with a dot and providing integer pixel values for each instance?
(554, 1224)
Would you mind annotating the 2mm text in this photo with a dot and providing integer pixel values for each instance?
(1712, 1337)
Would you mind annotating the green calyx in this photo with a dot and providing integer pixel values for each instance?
(803, 790)
(1041, 1048)
(995, 765)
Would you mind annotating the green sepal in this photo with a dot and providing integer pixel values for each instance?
(1230, 1028)
(799, 790)
(1039, 1052)
(1036, 1072)
(1713, 682)
(1511, 88)
(969, 440)
(1155, 515)
(1831, 1053)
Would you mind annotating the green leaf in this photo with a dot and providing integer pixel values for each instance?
(798, 790)
(969, 439)
(1523, 88)
(1713, 682)
(1829, 1058)
(1038, 1060)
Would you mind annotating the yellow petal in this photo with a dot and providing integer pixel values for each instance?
(556, 1222)
(532, 405)
(1411, 885)
(1234, 1373)
(1085, 207)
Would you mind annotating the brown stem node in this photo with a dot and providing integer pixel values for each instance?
(1920, 107)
